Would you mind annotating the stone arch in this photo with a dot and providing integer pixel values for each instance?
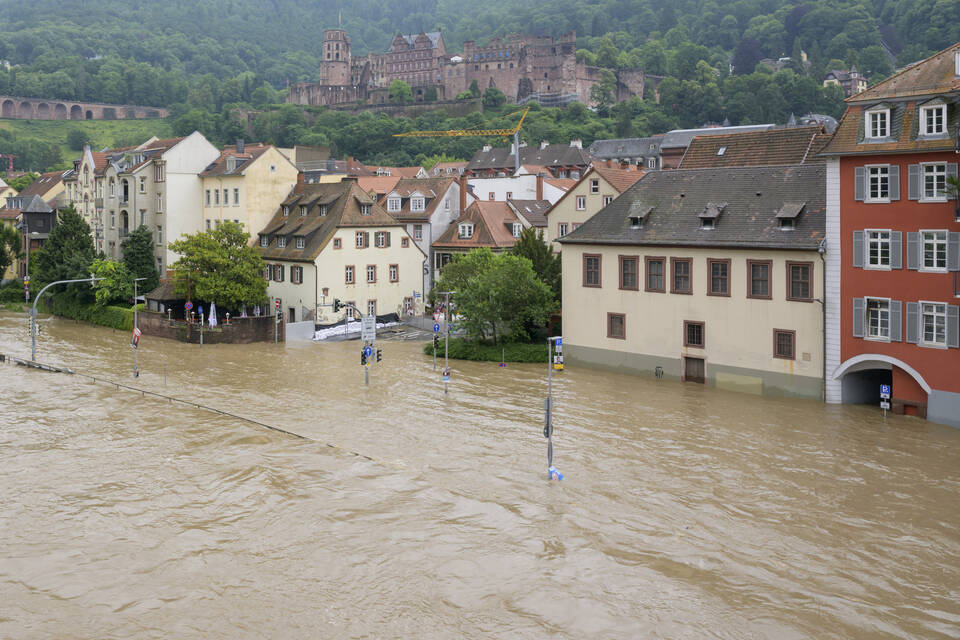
(89, 114)
(870, 360)
(60, 111)
(129, 113)
(43, 111)
(25, 110)
(108, 113)
(9, 109)
(76, 112)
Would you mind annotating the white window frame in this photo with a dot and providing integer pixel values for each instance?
(143, 184)
(393, 204)
(942, 315)
(303, 210)
(595, 185)
(371, 273)
(465, 231)
(868, 325)
(418, 232)
(236, 197)
(868, 244)
(932, 169)
(264, 240)
(936, 243)
(207, 200)
(380, 239)
(360, 243)
(872, 123)
(281, 242)
(226, 197)
(365, 210)
(562, 229)
(517, 229)
(607, 200)
(394, 273)
(869, 197)
(300, 242)
(159, 202)
(418, 203)
(160, 234)
(925, 115)
(581, 203)
(216, 197)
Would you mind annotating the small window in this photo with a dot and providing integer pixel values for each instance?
(371, 273)
(693, 334)
(336, 243)
(719, 271)
(348, 274)
(878, 124)
(721, 151)
(372, 308)
(878, 318)
(404, 243)
(799, 282)
(607, 200)
(365, 210)
(160, 234)
(934, 324)
(281, 242)
(933, 120)
(629, 273)
(264, 240)
(655, 274)
(581, 203)
(758, 272)
(394, 273)
(878, 184)
(490, 196)
(591, 270)
(418, 232)
(143, 185)
(465, 230)
(934, 182)
(708, 223)
(934, 250)
(594, 186)
(878, 249)
(226, 196)
(216, 196)
(682, 281)
(207, 194)
(361, 239)
(236, 197)
(561, 229)
(300, 242)
(303, 210)
(517, 229)
(286, 210)
(617, 326)
(417, 204)
(159, 202)
(784, 344)
(380, 237)
(393, 205)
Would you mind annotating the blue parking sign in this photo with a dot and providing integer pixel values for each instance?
(436, 327)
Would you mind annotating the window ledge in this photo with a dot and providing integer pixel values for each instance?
(939, 200)
(878, 268)
(876, 339)
(932, 345)
(867, 140)
(877, 201)
(933, 270)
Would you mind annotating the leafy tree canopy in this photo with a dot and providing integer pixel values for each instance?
(219, 266)
(545, 263)
(117, 283)
(66, 255)
(138, 258)
(400, 92)
(9, 246)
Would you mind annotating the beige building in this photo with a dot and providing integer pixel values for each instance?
(598, 187)
(333, 241)
(5, 192)
(709, 276)
(246, 184)
(84, 189)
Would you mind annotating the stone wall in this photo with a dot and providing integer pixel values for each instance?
(239, 331)
(42, 109)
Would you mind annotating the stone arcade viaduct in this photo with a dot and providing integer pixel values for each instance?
(42, 109)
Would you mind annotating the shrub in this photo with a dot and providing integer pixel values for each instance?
(461, 349)
(108, 316)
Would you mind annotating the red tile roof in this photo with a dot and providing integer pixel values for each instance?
(771, 147)
(489, 221)
(935, 75)
(619, 179)
(250, 153)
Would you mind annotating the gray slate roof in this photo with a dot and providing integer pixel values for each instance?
(625, 147)
(558, 155)
(675, 199)
(682, 137)
(411, 38)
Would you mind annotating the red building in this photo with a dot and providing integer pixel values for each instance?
(893, 244)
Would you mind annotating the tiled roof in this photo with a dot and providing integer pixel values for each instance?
(619, 179)
(682, 137)
(432, 189)
(411, 38)
(849, 137)
(557, 155)
(250, 153)
(935, 75)
(620, 148)
(43, 184)
(671, 203)
(489, 221)
(564, 184)
(342, 201)
(381, 185)
(791, 145)
(533, 211)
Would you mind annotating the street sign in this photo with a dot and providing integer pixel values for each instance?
(368, 328)
(188, 306)
(135, 338)
(884, 405)
(278, 303)
(445, 375)
(26, 279)
(436, 327)
(367, 351)
(416, 294)
(885, 391)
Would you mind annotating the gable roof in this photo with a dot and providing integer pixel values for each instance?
(619, 179)
(682, 137)
(935, 75)
(411, 38)
(489, 219)
(673, 201)
(550, 156)
(251, 152)
(790, 145)
(342, 201)
(432, 189)
(44, 183)
(381, 185)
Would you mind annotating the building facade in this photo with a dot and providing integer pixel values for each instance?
(893, 230)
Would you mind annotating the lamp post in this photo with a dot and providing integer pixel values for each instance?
(135, 343)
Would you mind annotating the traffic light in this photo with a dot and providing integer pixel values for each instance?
(336, 305)
(379, 355)
(436, 342)
(363, 357)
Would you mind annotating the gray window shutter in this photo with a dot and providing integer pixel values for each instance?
(951, 172)
(859, 183)
(953, 326)
(896, 321)
(953, 251)
(858, 248)
(896, 250)
(913, 182)
(859, 311)
(913, 322)
(894, 182)
(913, 250)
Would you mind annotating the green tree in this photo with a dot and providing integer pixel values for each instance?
(77, 138)
(493, 98)
(117, 283)
(22, 182)
(219, 266)
(545, 263)
(602, 93)
(474, 89)
(10, 243)
(138, 258)
(66, 255)
(400, 92)
(457, 274)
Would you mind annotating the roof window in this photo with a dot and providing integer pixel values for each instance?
(721, 151)
(708, 217)
(787, 215)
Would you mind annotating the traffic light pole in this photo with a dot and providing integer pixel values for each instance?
(446, 341)
(552, 471)
(33, 313)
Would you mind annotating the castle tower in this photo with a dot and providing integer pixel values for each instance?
(335, 68)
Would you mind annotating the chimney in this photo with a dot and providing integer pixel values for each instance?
(609, 164)
(76, 166)
(544, 144)
(576, 144)
(463, 192)
(239, 145)
(513, 148)
(540, 186)
(300, 178)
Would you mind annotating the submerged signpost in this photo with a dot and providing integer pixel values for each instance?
(552, 471)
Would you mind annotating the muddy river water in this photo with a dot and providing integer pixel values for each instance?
(685, 512)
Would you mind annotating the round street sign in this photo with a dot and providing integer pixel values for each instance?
(188, 306)
(436, 327)
(367, 351)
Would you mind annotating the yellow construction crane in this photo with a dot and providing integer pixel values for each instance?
(515, 132)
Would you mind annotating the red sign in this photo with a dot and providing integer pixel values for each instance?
(135, 338)
(278, 303)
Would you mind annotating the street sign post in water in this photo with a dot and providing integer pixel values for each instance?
(885, 398)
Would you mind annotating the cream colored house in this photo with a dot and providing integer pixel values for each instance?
(333, 241)
(246, 185)
(598, 187)
(5, 191)
(157, 185)
(709, 275)
(85, 187)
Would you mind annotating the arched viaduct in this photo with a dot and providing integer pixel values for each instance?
(42, 109)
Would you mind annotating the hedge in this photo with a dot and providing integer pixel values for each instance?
(461, 349)
(109, 316)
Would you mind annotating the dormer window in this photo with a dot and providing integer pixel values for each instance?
(517, 229)
(708, 217)
(417, 204)
(323, 210)
(878, 124)
(365, 210)
(300, 242)
(303, 210)
(264, 241)
(721, 151)
(393, 204)
(286, 210)
(933, 120)
(465, 231)
(788, 213)
(281, 242)
(231, 164)
(636, 222)
(708, 223)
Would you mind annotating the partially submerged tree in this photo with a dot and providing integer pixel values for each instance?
(138, 258)
(219, 266)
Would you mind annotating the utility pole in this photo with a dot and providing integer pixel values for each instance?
(136, 330)
(33, 312)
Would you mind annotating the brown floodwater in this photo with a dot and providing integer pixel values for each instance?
(685, 512)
